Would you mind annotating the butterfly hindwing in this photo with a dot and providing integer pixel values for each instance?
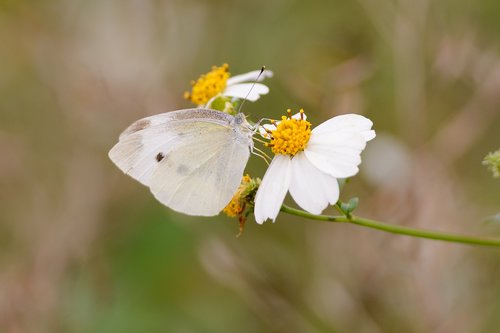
(208, 182)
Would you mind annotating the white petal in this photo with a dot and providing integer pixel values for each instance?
(312, 189)
(337, 154)
(272, 190)
(354, 122)
(369, 135)
(264, 128)
(298, 116)
(249, 77)
(241, 90)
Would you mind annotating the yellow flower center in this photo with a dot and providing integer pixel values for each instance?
(208, 85)
(291, 135)
(233, 208)
(236, 206)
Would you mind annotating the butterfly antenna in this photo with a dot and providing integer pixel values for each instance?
(253, 85)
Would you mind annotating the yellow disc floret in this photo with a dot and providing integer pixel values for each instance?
(208, 85)
(236, 206)
(233, 208)
(291, 135)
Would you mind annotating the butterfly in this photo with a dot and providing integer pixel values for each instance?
(192, 160)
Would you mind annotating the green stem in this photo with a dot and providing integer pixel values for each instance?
(395, 229)
(336, 206)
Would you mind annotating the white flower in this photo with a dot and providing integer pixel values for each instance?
(239, 86)
(308, 162)
(218, 82)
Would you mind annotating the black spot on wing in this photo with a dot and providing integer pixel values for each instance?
(160, 157)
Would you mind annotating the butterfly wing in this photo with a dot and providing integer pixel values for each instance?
(192, 160)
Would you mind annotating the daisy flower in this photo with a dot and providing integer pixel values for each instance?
(307, 161)
(218, 82)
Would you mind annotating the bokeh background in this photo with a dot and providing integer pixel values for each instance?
(83, 248)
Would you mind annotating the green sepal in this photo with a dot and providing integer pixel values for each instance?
(219, 103)
(350, 206)
(342, 182)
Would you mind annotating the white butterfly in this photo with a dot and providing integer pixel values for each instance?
(192, 160)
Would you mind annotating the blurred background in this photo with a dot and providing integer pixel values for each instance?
(84, 248)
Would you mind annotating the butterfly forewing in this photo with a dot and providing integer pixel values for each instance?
(191, 159)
